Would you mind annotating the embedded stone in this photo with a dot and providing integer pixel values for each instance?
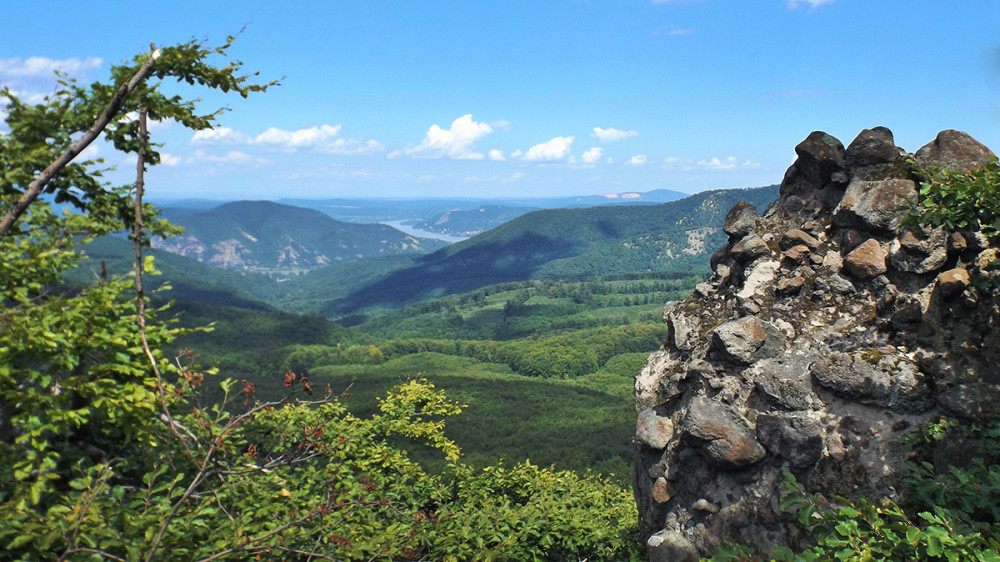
(789, 287)
(662, 491)
(797, 254)
(646, 386)
(786, 383)
(951, 283)
(866, 261)
(706, 506)
(840, 284)
(795, 438)
(971, 401)
(748, 339)
(727, 438)
(878, 205)
(957, 243)
(740, 220)
(682, 330)
(749, 249)
(671, 546)
(654, 428)
(796, 237)
(919, 250)
(873, 378)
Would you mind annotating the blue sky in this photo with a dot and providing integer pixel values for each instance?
(541, 97)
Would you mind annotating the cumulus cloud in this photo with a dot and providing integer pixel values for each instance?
(307, 137)
(219, 135)
(496, 155)
(592, 156)
(554, 149)
(612, 134)
(231, 157)
(729, 163)
(500, 124)
(43, 67)
(455, 142)
(792, 4)
(637, 160)
(169, 159)
(321, 139)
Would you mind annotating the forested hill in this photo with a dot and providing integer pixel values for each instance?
(262, 235)
(565, 243)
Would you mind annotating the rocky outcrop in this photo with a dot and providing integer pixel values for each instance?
(828, 329)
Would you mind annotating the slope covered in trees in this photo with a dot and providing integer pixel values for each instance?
(563, 243)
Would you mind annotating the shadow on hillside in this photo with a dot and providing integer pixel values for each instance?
(443, 274)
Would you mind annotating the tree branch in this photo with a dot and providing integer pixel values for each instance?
(109, 113)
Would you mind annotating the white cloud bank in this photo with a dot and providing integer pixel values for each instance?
(715, 164)
(611, 134)
(42, 67)
(322, 138)
(554, 149)
(637, 160)
(455, 142)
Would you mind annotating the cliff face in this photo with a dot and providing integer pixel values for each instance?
(826, 332)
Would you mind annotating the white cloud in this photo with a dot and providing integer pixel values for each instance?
(500, 124)
(637, 160)
(554, 149)
(592, 155)
(219, 135)
(792, 4)
(42, 67)
(89, 153)
(350, 146)
(514, 177)
(496, 155)
(612, 134)
(729, 163)
(231, 157)
(318, 139)
(169, 159)
(679, 31)
(300, 138)
(454, 142)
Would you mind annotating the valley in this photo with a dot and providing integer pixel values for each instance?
(537, 325)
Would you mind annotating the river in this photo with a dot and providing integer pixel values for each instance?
(407, 229)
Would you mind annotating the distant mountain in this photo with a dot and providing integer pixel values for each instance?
(379, 210)
(458, 222)
(267, 236)
(564, 243)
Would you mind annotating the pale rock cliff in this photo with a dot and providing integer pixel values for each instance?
(826, 332)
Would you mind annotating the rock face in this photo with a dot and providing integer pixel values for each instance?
(827, 330)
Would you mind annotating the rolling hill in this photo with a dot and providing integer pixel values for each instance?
(267, 236)
(562, 243)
